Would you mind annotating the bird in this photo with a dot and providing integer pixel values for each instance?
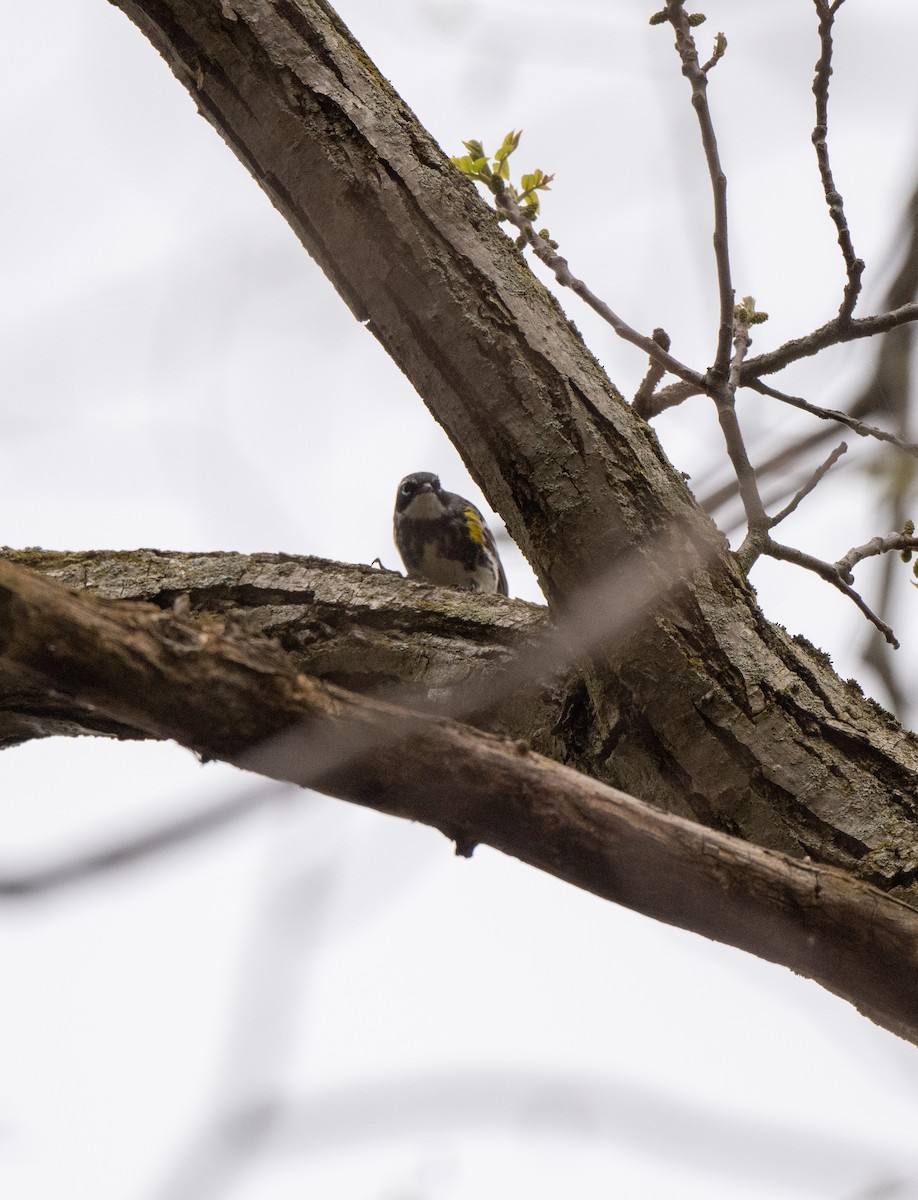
(443, 538)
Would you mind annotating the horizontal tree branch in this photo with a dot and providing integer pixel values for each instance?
(231, 695)
(490, 659)
(347, 623)
(839, 777)
(833, 333)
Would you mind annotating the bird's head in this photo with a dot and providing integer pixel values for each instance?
(421, 493)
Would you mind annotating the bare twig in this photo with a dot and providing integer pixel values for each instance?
(720, 48)
(669, 397)
(833, 414)
(895, 679)
(854, 266)
(830, 574)
(814, 479)
(698, 79)
(877, 545)
(756, 517)
(886, 390)
(833, 333)
(643, 397)
(559, 266)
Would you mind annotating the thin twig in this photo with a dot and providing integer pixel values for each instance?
(830, 574)
(742, 340)
(816, 477)
(877, 545)
(720, 46)
(833, 333)
(887, 389)
(698, 79)
(834, 414)
(756, 517)
(889, 670)
(166, 837)
(669, 397)
(854, 266)
(643, 397)
(559, 266)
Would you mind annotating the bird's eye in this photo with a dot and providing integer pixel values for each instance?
(406, 489)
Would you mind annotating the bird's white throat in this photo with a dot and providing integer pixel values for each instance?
(426, 505)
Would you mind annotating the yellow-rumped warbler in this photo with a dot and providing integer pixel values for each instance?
(443, 538)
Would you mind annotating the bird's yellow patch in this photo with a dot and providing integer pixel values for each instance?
(475, 527)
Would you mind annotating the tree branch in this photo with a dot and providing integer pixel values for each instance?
(350, 625)
(833, 333)
(698, 79)
(643, 402)
(756, 518)
(877, 545)
(854, 266)
(231, 696)
(361, 626)
(831, 574)
(833, 414)
(801, 494)
(704, 708)
(653, 346)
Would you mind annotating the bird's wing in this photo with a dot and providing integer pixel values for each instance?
(479, 532)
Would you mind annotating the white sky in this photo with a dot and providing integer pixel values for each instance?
(175, 372)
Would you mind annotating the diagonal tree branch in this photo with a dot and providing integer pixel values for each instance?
(370, 631)
(704, 709)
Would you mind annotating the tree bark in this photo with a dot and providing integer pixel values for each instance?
(229, 694)
(370, 631)
(703, 708)
(687, 697)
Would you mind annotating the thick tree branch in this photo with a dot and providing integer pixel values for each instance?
(367, 630)
(355, 624)
(232, 696)
(704, 710)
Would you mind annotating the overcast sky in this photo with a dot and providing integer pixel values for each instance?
(363, 1015)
